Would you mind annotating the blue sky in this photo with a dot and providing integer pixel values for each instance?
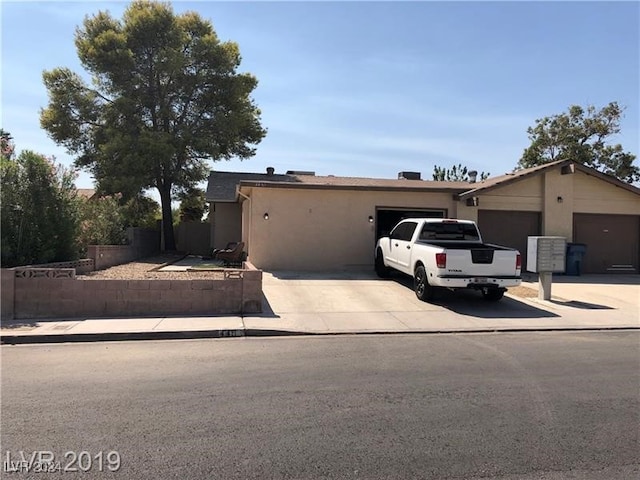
(373, 88)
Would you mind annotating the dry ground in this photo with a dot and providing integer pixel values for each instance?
(146, 269)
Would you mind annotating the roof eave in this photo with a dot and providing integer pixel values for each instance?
(319, 186)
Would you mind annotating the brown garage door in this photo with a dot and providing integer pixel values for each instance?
(509, 228)
(613, 242)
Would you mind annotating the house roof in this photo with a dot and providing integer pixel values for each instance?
(497, 182)
(86, 192)
(380, 183)
(224, 186)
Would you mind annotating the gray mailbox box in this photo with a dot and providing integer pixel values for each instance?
(546, 256)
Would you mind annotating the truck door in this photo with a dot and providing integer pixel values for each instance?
(401, 245)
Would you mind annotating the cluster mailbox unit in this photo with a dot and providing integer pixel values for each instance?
(546, 256)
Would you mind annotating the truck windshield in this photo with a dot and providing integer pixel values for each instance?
(449, 231)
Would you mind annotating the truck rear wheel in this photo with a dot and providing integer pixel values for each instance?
(492, 294)
(381, 270)
(421, 286)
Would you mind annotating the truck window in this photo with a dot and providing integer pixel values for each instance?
(404, 231)
(449, 231)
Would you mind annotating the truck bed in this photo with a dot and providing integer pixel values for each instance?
(462, 245)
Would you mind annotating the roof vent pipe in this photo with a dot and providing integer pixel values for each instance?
(473, 175)
(270, 171)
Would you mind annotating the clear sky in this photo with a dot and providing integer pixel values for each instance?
(373, 88)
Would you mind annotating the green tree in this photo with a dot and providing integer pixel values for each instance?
(39, 210)
(581, 135)
(193, 205)
(165, 98)
(6, 144)
(140, 211)
(102, 222)
(454, 174)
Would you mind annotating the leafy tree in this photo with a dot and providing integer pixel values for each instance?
(193, 205)
(102, 222)
(581, 135)
(454, 174)
(105, 219)
(6, 145)
(39, 210)
(165, 98)
(140, 211)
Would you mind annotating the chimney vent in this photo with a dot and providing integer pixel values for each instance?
(473, 175)
(270, 171)
(409, 176)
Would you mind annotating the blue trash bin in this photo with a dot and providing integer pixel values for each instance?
(575, 256)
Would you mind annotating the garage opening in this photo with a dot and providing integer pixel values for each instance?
(387, 218)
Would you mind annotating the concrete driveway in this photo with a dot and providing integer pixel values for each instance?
(359, 301)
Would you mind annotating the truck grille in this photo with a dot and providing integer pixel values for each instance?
(482, 256)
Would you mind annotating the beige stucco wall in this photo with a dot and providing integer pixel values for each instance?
(557, 203)
(311, 229)
(524, 195)
(227, 224)
(592, 195)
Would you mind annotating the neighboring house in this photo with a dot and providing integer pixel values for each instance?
(300, 221)
(87, 193)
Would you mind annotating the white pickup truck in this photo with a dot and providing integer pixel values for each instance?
(447, 253)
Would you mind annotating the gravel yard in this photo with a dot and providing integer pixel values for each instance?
(146, 269)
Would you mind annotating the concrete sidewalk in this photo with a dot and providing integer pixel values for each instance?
(360, 304)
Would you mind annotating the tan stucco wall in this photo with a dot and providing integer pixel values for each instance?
(557, 210)
(227, 224)
(524, 195)
(312, 229)
(592, 195)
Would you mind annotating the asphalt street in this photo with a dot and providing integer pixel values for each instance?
(462, 406)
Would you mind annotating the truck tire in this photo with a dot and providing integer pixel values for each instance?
(492, 294)
(421, 286)
(381, 270)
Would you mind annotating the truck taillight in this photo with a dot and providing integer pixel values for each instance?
(518, 262)
(441, 260)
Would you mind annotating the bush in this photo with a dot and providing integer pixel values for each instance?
(39, 210)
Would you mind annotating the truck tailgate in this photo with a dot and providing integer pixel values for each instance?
(480, 262)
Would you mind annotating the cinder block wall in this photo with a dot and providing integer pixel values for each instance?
(142, 243)
(105, 256)
(251, 289)
(7, 293)
(44, 297)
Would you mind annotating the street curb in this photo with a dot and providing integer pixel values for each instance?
(237, 333)
(119, 336)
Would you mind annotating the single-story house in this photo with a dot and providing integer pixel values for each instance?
(302, 221)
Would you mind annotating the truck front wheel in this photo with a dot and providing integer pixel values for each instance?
(421, 286)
